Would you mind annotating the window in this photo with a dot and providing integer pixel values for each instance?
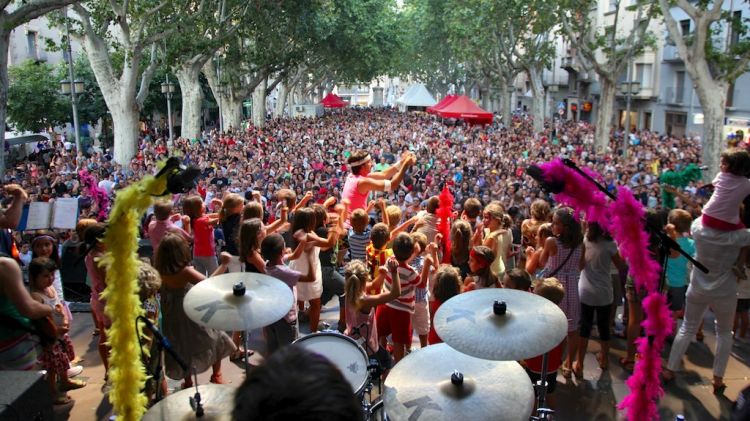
(608, 34)
(679, 86)
(643, 74)
(734, 37)
(613, 4)
(685, 27)
(31, 44)
(647, 120)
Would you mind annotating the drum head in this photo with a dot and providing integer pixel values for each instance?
(343, 352)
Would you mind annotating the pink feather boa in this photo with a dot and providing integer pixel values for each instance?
(99, 195)
(621, 218)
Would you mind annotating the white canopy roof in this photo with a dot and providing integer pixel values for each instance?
(417, 96)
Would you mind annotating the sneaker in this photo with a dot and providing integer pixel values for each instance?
(74, 371)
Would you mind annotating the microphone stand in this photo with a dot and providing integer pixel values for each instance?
(666, 242)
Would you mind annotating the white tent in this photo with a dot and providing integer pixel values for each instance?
(416, 97)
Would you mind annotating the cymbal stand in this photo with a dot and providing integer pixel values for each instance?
(374, 373)
(195, 400)
(541, 389)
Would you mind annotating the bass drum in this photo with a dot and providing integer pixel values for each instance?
(343, 352)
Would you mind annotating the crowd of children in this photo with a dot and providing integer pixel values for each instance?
(391, 274)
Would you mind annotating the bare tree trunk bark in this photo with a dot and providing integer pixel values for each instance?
(259, 104)
(192, 99)
(604, 114)
(231, 112)
(4, 41)
(713, 97)
(507, 95)
(538, 99)
(280, 110)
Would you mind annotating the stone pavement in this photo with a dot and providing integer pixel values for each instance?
(593, 398)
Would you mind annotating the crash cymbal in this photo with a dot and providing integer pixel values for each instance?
(217, 303)
(531, 325)
(217, 401)
(440, 383)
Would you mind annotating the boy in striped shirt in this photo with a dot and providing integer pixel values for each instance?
(394, 318)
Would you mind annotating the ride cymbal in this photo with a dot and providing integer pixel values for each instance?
(440, 383)
(238, 301)
(530, 326)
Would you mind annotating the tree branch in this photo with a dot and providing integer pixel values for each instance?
(33, 10)
(688, 8)
(122, 20)
(146, 77)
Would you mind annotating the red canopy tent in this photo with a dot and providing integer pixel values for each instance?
(333, 101)
(465, 109)
(443, 102)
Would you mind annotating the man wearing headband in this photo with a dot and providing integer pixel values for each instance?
(361, 181)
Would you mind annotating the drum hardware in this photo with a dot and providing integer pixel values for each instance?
(213, 402)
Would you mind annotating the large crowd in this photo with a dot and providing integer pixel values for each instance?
(348, 205)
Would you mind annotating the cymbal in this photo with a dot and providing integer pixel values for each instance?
(217, 401)
(213, 302)
(423, 386)
(531, 326)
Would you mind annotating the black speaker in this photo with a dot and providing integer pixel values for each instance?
(24, 395)
(73, 268)
(73, 273)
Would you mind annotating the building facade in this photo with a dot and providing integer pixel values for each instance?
(679, 111)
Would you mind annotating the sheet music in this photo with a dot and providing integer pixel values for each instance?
(38, 216)
(65, 215)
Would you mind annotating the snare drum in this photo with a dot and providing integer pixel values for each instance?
(343, 352)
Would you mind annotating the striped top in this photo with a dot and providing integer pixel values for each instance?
(409, 279)
(358, 244)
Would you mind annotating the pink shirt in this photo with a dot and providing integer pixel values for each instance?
(158, 229)
(365, 323)
(357, 200)
(729, 192)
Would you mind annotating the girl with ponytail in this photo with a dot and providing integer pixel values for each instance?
(360, 307)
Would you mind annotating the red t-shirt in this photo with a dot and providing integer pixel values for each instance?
(554, 361)
(203, 238)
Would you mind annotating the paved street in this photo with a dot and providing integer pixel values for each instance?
(593, 398)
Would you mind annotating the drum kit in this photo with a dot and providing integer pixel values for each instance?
(473, 374)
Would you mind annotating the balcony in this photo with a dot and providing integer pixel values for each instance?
(673, 96)
(569, 63)
(670, 54)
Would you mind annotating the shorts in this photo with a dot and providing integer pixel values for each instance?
(333, 284)
(676, 297)
(743, 305)
(551, 380)
(279, 334)
(420, 320)
(393, 322)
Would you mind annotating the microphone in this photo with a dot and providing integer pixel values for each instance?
(550, 186)
(164, 342)
(180, 179)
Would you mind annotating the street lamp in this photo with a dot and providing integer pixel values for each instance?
(71, 88)
(167, 88)
(628, 88)
(221, 90)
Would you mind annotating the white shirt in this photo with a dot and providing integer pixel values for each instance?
(717, 250)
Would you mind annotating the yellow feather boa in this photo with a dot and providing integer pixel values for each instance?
(126, 369)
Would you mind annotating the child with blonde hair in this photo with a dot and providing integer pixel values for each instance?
(360, 307)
